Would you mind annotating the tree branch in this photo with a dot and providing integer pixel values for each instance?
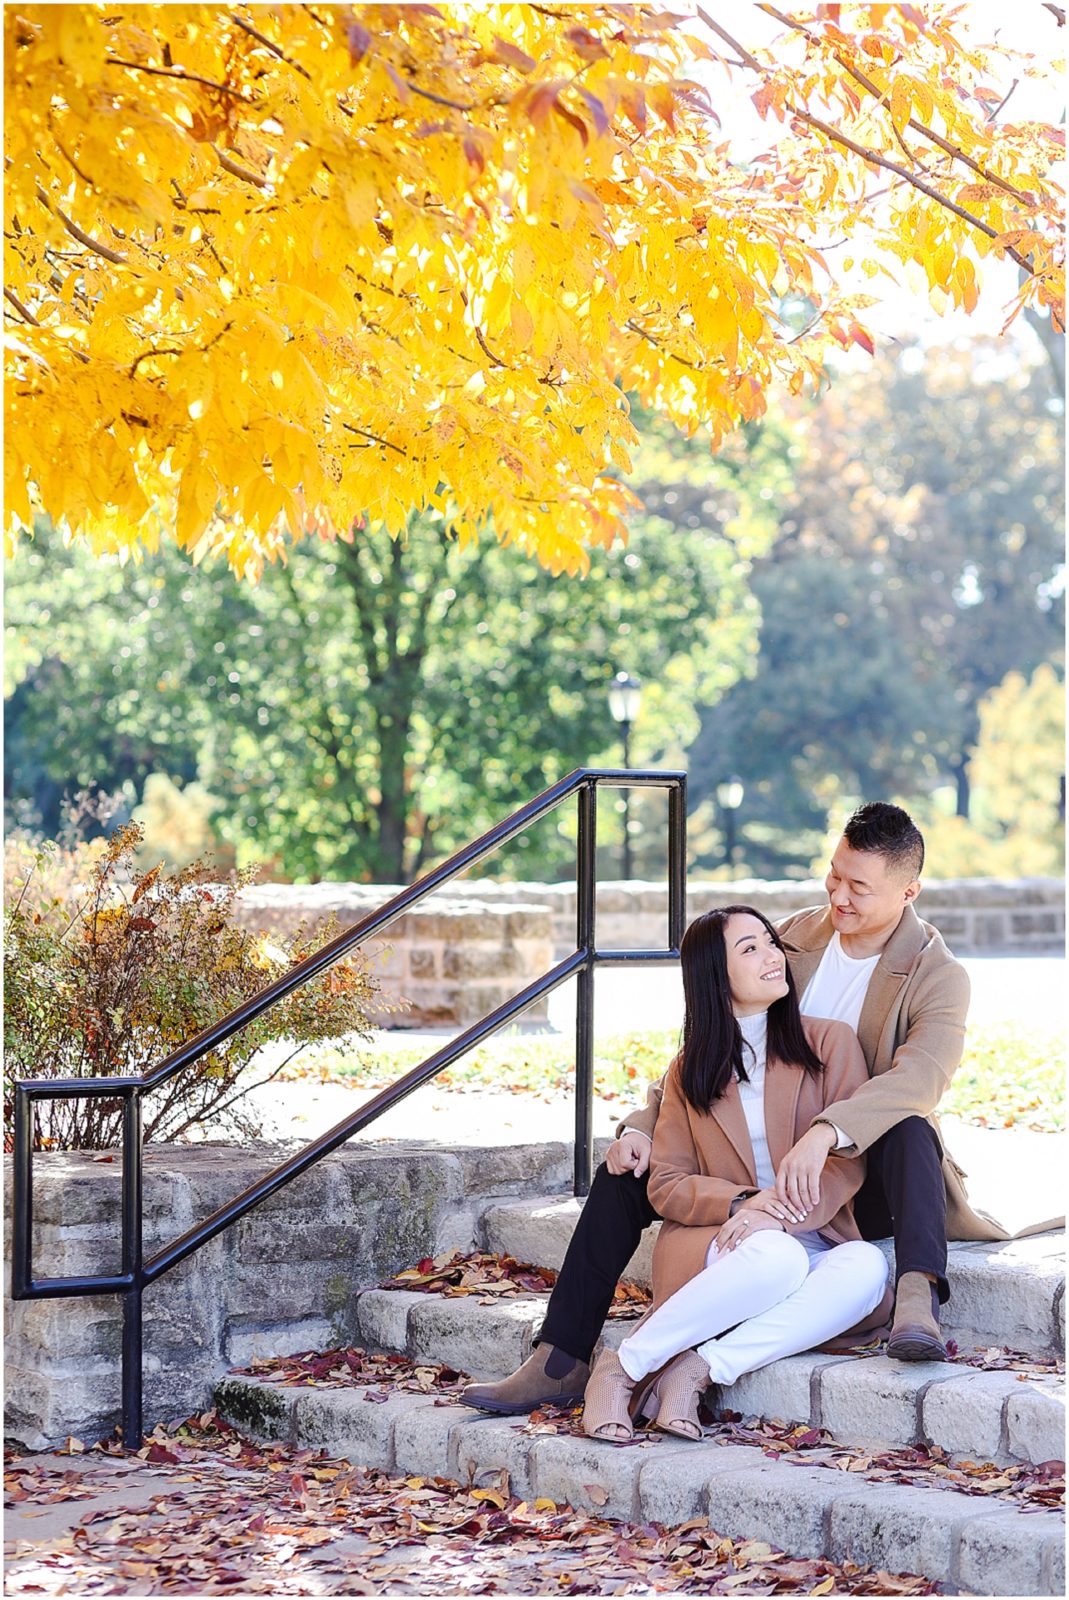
(352, 428)
(917, 126)
(872, 156)
(27, 316)
(236, 170)
(183, 77)
(657, 345)
(269, 44)
(76, 233)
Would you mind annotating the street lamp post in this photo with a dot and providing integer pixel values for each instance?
(625, 697)
(729, 796)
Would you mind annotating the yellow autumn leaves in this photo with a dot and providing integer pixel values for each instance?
(271, 269)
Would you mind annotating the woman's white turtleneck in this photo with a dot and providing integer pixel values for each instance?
(754, 1032)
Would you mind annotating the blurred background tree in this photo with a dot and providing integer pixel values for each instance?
(856, 597)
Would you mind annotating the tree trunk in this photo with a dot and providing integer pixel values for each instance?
(961, 779)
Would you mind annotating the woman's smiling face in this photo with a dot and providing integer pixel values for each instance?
(757, 966)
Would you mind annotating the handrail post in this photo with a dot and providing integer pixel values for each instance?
(677, 863)
(585, 902)
(132, 1262)
(22, 1193)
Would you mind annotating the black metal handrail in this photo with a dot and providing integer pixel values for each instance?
(136, 1272)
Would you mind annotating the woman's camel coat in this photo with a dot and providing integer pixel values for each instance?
(702, 1161)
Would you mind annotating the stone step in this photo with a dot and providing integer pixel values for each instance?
(1009, 1294)
(870, 1400)
(967, 1543)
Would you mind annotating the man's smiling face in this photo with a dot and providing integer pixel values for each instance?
(865, 895)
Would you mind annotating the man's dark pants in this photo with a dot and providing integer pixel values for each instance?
(903, 1196)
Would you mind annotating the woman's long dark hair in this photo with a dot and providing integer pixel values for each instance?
(712, 1038)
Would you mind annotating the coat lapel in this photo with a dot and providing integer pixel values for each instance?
(732, 1119)
(888, 977)
(805, 944)
(783, 1085)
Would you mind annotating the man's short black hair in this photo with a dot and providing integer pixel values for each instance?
(887, 831)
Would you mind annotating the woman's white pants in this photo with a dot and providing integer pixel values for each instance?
(776, 1298)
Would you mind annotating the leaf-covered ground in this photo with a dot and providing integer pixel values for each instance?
(205, 1512)
(1010, 1076)
(230, 1518)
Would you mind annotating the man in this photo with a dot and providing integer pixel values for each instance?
(865, 959)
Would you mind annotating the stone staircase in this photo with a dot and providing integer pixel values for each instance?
(1008, 1295)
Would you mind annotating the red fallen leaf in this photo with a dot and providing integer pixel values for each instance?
(159, 1452)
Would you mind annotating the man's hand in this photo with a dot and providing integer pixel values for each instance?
(798, 1178)
(629, 1153)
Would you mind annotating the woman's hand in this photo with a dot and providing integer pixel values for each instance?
(742, 1225)
(774, 1204)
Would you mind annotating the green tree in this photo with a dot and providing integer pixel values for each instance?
(370, 706)
(919, 561)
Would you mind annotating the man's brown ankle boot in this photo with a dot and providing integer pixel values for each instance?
(915, 1331)
(548, 1377)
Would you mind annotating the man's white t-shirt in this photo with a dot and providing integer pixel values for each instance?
(837, 990)
(838, 987)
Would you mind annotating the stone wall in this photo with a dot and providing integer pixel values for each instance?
(452, 960)
(473, 944)
(282, 1279)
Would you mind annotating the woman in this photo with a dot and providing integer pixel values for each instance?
(736, 1273)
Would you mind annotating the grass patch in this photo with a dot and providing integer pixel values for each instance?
(1010, 1077)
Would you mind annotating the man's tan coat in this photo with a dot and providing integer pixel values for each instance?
(911, 1030)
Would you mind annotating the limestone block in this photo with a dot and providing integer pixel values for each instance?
(382, 1318)
(1005, 1553)
(989, 930)
(261, 1410)
(480, 1450)
(526, 922)
(421, 1439)
(457, 1230)
(285, 1290)
(964, 1415)
(1004, 1294)
(1033, 922)
(465, 961)
(592, 1476)
(424, 961)
(245, 1342)
(470, 1002)
(353, 1424)
(784, 1389)
(534, 1231)
(537, 1170)
(674, 1488)
(485, 1341)
(1035, 1422)
(900, 1530)
(1054, 1563)
(874, 1399)
(785, 1505)
(40, 1410)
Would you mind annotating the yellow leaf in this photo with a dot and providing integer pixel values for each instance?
(901, 102)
